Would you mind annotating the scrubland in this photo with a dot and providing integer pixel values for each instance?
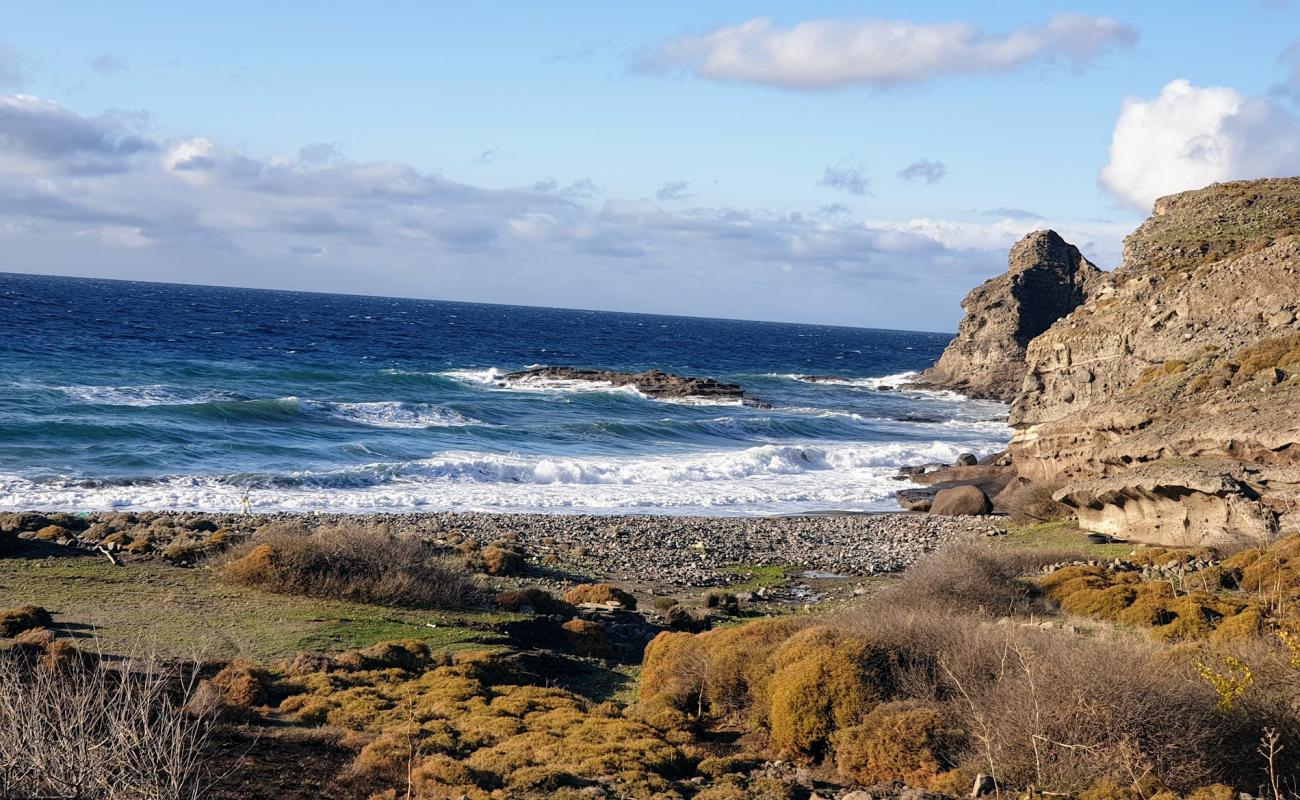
(1050, 666)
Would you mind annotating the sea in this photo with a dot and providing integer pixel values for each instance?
(126, 395)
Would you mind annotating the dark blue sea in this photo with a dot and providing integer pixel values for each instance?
(143, 395)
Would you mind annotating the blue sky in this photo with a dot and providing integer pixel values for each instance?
(614, 155)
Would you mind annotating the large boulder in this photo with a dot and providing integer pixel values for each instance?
(961, 501)
(1046, 279)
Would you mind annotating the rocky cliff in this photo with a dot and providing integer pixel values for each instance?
(1166, 408)
(1046, 279)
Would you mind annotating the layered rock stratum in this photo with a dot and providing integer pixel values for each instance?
(1165, 407)
(1046, 279)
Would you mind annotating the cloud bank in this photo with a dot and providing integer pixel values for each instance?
(1190, 136)
(97, 195)
(833, 54)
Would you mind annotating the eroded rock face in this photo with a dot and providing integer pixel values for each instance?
(1046, 279)
(1179, 505)
(1167, 406)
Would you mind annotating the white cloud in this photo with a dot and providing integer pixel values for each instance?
(674, 192)
(195, 210)
(847, 176)
(924, 170)
(1191, 136)
(828, 53)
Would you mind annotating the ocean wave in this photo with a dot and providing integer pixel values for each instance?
(395, 414)
(497, 379)
(767, 479)
(143, 396)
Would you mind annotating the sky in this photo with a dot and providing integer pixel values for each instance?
(855, 163)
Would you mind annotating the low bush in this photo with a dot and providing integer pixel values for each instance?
(539, 601)
(14, 621)
(112, 732)
(972, 579)
(588, 638)
(905, 741)
(368, 565)
(603, 593)
(502, 561)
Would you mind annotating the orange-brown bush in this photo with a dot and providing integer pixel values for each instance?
(502, 561)
(588, 638)
(539, 601)
(600, 593)
(368, 565)
(14, 621)
(904, 741)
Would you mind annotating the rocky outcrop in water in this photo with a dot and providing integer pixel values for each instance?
(1046, 279)
(651, 383)
(1166, 408)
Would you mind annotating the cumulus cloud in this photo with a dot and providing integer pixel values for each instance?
(1190, 136)
(924, 170)
(41, 131)
(674, 192)
(830, 53)
(847, 176)
(318, 219)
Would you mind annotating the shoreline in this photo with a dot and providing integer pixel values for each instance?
(653, 550)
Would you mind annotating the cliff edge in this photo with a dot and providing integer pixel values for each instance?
(1046, 279)
(1166, 407)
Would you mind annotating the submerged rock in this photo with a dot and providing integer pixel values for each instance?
(652, 383)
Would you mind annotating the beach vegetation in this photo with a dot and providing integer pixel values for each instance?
(361, 564)
(600, 593)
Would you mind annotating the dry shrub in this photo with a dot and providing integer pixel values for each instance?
(538, 601)
(825, 679)
(367, 565)
(116, 733)
(588, 638)
(904, 741)
(51, 532)
(1028, 502)
(709, 677)
(241, 685)
(502, 561)
(1067, 712)
(972, 578)
(1124, 597)
(602, 593)
(14, 621)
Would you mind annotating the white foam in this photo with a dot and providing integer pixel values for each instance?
(153, 395)
(496, 378)
(397, 415)
(768, 479)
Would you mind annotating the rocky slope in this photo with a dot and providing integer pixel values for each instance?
(1046, 279)
(1166, 408)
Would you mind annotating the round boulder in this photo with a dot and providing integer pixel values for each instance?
(967, 460)
(961, 501)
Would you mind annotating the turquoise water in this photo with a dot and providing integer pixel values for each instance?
(133, 395)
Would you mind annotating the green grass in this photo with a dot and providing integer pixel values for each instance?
(189, 612)
(758, 576)
(1062, 534)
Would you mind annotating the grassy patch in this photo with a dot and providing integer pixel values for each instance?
(759, 576)
(1062, 534)
(184, 612)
